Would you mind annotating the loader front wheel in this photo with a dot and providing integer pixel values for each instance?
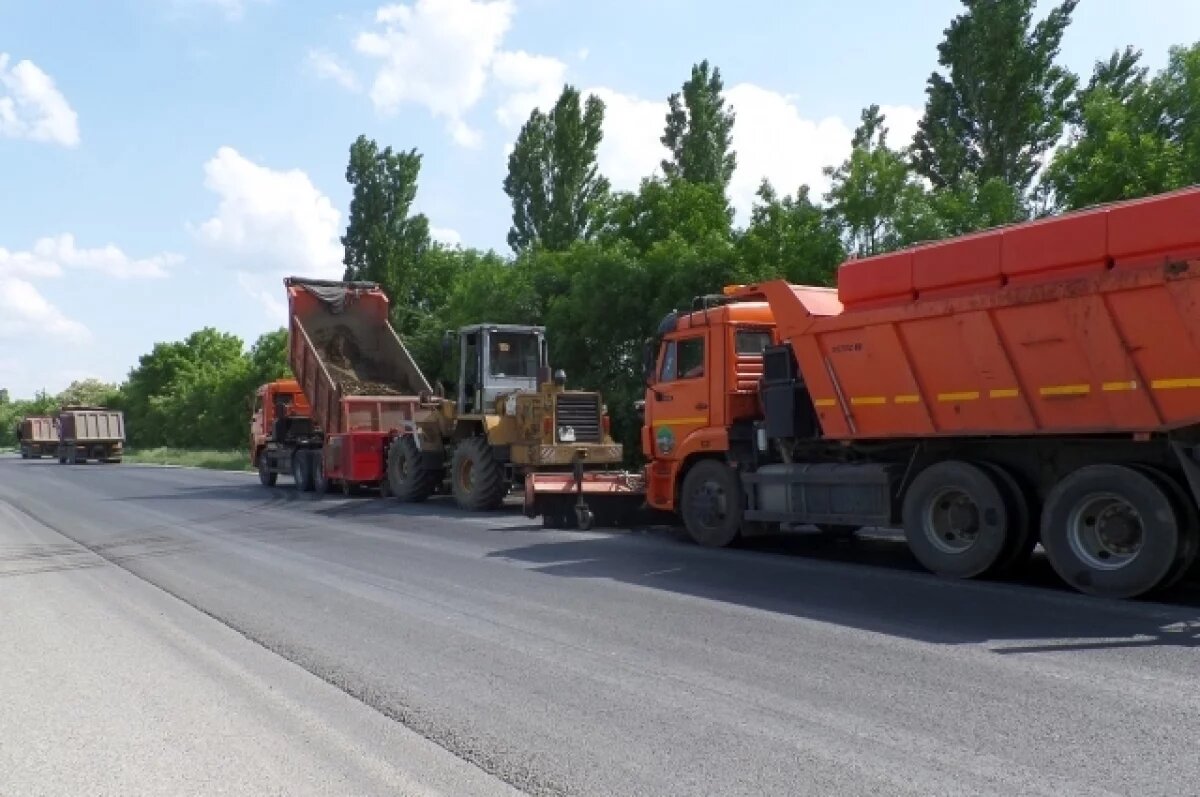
(478, 479)
(408, 477)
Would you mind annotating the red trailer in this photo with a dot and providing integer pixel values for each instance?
(360, 381)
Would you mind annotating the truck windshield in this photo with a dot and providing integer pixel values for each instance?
(513, 354)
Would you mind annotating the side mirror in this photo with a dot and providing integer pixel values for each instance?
(447, 345)
(648, 360)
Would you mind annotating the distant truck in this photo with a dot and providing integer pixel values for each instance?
(90, 433)
(281, 426)
(37, 437)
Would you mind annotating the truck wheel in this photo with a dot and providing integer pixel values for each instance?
(1021, 518)
(478, 478)
(956, 520)
(317, 480)
(266, 476)
(1189, 526)
(1111, 531)
(300, 471)
(711, 503)
(407, 476)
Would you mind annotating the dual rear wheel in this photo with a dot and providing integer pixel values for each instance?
(1108, 530)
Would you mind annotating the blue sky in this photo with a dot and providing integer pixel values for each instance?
(165, 163)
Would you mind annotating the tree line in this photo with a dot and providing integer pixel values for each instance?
(1007, 134)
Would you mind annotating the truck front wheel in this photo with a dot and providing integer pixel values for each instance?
(408, 477)
(266, 476)
(712, 504)
(478, 478)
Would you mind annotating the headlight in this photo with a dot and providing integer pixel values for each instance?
(566, 434)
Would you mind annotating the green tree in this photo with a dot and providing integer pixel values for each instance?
(556, 188)
(872, 189)
(1131, 135)
(384, 241)
(699, 131)
(89, 392)
(790, 237)
(1001, 103)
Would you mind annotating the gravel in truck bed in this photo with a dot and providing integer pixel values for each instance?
(356, 374)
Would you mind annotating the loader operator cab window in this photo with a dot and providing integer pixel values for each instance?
(513, 354)
(683, 359)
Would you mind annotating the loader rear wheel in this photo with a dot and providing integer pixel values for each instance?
(956, 520)
(712, 504)
(478, 481)
(408, 477)
(1111, 531)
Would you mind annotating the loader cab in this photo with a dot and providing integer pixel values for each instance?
(496, 359)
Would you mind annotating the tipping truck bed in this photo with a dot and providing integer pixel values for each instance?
(1088, 323)
(362, 384)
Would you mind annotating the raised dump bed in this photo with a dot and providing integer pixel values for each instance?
(361, 382)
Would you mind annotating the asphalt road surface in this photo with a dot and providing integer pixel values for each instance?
(168, 631)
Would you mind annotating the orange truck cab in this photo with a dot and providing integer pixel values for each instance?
(1036, 383)
(281, 424)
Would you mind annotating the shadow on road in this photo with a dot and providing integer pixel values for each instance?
(873, 585)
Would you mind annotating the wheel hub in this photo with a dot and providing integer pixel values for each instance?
(709, 503)
(1106, 532)
(952, 523)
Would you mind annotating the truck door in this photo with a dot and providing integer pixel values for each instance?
(680, 401)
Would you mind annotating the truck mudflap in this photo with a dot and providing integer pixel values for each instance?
(583, 499)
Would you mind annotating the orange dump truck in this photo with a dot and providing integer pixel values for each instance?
(1033, 383)
(37, 437)
(281, 427)
(361, 384)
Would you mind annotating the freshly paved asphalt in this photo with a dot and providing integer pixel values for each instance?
(174, 631)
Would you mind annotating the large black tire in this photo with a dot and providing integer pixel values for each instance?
(318, 481)
(408, 477)
(956, 520)
(266, 476)
(1189, 526)
(302, 471)
(712, 504)
(1112, 531)
(1022, 519)
(477, 478)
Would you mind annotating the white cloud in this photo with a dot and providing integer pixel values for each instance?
(445, 235)
(436, 53)
(327, 66)
(268, 292)
(534, 81)
(771, 136)
(270, 221)
(32, 107)
(50, 256)
(24, 312)
(630, 149)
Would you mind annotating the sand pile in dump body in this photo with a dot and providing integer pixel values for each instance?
(357, 375)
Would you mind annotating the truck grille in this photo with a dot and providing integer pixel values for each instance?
(581, 412)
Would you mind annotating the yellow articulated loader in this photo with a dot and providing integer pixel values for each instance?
(509, 418)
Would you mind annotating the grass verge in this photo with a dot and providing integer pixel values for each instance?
(216, 460)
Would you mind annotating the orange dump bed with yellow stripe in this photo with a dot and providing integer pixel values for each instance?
(1017, 331)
